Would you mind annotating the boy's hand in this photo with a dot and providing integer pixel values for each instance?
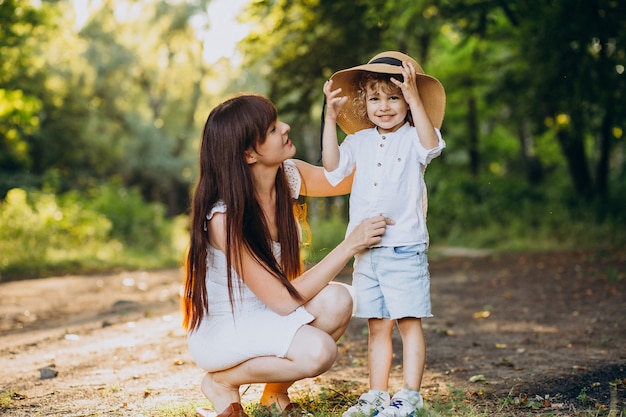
(334, 102)
(409, 85)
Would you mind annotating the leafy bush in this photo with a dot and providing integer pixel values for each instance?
(509, 214)
(40, 229)
(134, 222)
(325, 235)
(43, 234)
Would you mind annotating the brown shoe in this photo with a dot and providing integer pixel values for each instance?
(233, 410)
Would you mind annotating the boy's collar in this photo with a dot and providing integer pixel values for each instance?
(401, 129)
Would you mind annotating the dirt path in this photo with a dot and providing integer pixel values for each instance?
(546, 330)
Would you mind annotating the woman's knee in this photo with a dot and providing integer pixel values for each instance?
(313, 351)
(322, 357)
(334, 300)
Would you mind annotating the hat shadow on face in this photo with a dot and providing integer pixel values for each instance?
(432, 93)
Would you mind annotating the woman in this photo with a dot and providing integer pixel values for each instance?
(252, 314)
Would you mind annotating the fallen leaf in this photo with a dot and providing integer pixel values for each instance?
(18, 396)
(505, 362)
(477, 378)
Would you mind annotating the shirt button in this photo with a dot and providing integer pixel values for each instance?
(379, 164)
(384, 137)
(382, 145)
(375, 184)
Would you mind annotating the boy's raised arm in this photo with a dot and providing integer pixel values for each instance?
(330, 145)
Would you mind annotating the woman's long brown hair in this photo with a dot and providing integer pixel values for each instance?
(237, 125)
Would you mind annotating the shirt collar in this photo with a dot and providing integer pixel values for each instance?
(401, 130)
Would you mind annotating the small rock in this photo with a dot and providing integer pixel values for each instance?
(48, 372)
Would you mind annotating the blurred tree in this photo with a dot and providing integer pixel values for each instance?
(115, 98)
(22, 79)
(563, 76)
(146, 91)
(577, 52)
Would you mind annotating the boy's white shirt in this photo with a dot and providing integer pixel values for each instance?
(389, 180)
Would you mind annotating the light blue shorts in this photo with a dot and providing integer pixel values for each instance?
(392, 282)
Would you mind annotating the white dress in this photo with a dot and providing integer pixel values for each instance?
(226, 338)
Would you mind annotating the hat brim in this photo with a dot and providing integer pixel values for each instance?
(350, 120)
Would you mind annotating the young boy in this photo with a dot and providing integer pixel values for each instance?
(392, 113)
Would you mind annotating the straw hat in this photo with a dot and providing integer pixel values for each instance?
(431, 91)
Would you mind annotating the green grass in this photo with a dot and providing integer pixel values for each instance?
(332, 400)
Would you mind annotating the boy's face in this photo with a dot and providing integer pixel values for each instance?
(386, 107)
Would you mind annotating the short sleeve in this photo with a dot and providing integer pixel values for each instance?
(219, 207)
(347, 158)
(293, 178)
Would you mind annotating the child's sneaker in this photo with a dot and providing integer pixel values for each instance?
(369, 405)
(404, 404)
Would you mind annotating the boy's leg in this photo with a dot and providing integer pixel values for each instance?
(380, 352)
(379, 362)
(408, 400)
(413, 351)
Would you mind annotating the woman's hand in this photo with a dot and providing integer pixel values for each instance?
(369, 233)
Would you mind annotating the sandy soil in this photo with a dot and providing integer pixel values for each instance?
(543, 333)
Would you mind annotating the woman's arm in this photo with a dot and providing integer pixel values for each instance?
(315, 184)
(272, 292)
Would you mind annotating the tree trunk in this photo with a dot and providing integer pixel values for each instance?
(571, 142)
(606, 136)
(472, 132)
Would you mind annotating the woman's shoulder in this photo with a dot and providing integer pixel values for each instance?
(293, 177)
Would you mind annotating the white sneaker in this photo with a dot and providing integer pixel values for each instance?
(369, 405)
(404, 404)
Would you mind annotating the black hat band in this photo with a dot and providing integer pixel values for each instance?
(387, 60)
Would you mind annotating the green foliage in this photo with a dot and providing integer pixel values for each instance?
(325, 235)
(534, 121)
(177, 410)
(5, 399)
(134, 222)
(507, 214)
(43, 234)
(40, 229)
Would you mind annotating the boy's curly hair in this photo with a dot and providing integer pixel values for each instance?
(367, 80)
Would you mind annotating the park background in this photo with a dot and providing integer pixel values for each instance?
(102, 103)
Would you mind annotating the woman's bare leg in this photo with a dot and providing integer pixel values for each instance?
(332, 308)
(312, 352)
(221, 394)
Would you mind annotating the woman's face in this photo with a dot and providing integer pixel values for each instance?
(277, 146)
